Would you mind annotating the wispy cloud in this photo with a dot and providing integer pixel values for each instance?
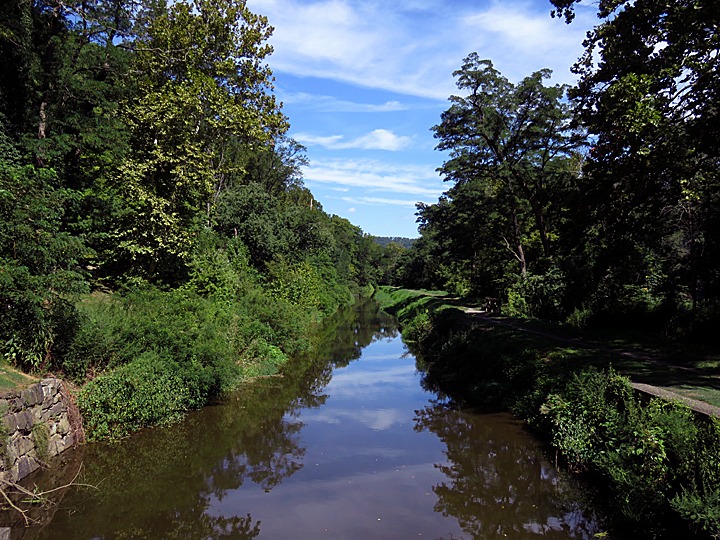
(376, 176)
(413, 49)
(380, 200)
(321, 103)
(378, 139)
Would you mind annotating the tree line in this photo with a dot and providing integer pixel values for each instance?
(591, 203)
(155, 232)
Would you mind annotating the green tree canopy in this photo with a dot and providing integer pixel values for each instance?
(648, 93)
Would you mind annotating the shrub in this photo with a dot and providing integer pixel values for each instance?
(540, 296)
(152, 389)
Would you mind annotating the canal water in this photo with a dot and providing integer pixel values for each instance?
(345, 445)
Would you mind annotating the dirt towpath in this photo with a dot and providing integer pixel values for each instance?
(694, 404)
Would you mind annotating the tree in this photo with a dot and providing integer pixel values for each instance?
(39, 263)
(514, 149)
(648, 93)
(202, 91)
(515, 139)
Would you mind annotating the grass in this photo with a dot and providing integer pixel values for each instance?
(12, 379)
(690, 370)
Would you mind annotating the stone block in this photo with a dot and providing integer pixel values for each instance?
(50, 387)
(32, 396)
(10, 423)
(24, 420)
(37, 412)
(5, 533)
(12, 455)
(16, 404)
(69, 440)
(23, 445)
(48, 402)
(55, 410)
(24, 466)
(55, 445)
(63, 426)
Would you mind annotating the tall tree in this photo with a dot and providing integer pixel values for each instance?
(203, 91)
(649, 91)
(512, 147)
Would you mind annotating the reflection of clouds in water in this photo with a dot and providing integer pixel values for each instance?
(377, 419)
(348, 506)
(351, 382)
(379, 357)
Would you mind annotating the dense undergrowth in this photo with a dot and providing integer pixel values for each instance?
(161, 353)
(657, 461)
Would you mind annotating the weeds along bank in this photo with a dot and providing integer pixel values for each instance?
(159, 354)
(144, 355)
(657, 462)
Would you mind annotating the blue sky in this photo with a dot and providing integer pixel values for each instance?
(364, 81)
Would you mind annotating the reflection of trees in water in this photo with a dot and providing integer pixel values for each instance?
(498, 484)
(161, 483)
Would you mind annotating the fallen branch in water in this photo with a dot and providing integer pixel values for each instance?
(7, 488)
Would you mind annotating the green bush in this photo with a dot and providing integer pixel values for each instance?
(539, 296)
(152, 389)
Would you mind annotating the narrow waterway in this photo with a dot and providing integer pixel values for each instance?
(345, 445)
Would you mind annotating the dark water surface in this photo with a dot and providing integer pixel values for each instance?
(346, 445)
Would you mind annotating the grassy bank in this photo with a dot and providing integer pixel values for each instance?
(658, 462)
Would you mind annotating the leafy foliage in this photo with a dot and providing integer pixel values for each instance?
(39, 264)
(514, 155)
(144, 157)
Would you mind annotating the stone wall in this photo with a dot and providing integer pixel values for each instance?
(37, 423)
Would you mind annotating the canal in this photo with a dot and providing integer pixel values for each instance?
(346, 444)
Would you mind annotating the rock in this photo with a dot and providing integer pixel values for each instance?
(55, 410)
(48, 402)
(24, 421)
(24, 466)
(5, 533)
(23, 445)
(10, 423)
(37, 412)
(12, 454)
(16, 404)
(33, 395)
(63, 426)
(49, 387)
(55, 445)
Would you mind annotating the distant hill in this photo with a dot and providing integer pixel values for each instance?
(385, 240)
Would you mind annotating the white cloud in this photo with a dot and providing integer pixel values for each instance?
(414, 49)
(517, 30)
(381, 200)
(376, 176)
(323, 103)
(378, 139)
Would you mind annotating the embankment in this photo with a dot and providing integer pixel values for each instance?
(38, 423)
(656, 462)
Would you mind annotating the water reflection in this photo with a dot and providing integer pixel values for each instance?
(496, 483)
(161, 483)
(331, 448)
